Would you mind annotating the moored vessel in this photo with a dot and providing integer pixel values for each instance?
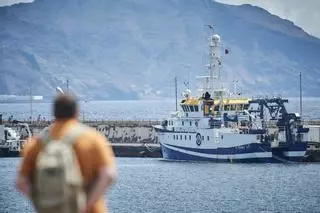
(12, 139)
(216, 125)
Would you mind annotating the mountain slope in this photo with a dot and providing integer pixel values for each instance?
(131, 49)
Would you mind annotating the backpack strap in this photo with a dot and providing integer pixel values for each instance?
(45, 135)
(73, 133)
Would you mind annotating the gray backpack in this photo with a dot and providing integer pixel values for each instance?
(58, 184)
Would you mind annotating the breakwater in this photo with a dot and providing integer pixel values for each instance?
(133, 138)
(115, 131)
(125, 131)
(128, 131)
(128, 138)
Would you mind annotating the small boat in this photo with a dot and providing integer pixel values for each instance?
(12, 139)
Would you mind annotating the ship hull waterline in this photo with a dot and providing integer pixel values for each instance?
(256, 153)
(6, 153)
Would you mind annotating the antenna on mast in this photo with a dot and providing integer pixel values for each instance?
(67, 85)
(211, 26)
(300, 85)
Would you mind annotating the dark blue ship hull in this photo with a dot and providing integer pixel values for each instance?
(250, 153)
(5, 152)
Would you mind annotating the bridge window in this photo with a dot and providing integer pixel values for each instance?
(182, 123)
(189, 137)
(246, 106)
(180, 137)
(174, 137)
(190, 123)
(185, 108)
(202, 137)
(185, 137)
(191, 109)
(208, 138)
(196, 108)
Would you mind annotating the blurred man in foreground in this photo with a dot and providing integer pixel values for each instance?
(68, 166)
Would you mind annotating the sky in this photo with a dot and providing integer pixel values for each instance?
(304, 13)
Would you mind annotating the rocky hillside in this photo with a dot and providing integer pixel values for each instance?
(132, 49)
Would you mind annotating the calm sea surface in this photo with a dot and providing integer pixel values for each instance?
(154, 185)
(132, 110)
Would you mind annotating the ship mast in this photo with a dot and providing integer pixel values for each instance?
(215, 64)
(300, 91)
(215, 85)
(211, 82)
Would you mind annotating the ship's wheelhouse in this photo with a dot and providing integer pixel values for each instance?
(232, 105)
(191, 107)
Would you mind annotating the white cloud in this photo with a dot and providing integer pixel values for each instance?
(304, 14)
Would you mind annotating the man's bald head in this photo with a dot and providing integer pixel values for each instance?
(65, 106)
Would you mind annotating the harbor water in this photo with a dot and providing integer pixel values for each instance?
(153, 185)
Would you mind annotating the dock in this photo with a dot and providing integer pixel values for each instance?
(127, 138)
(134, 138)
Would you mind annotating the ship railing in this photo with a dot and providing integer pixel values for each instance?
(310, 122)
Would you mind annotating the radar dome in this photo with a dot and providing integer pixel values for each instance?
(216, 38)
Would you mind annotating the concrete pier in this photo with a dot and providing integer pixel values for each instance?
(138, 138)
(130, 132)
(128, 138)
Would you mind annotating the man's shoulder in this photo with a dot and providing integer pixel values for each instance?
(31, 145)
(33, 141)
